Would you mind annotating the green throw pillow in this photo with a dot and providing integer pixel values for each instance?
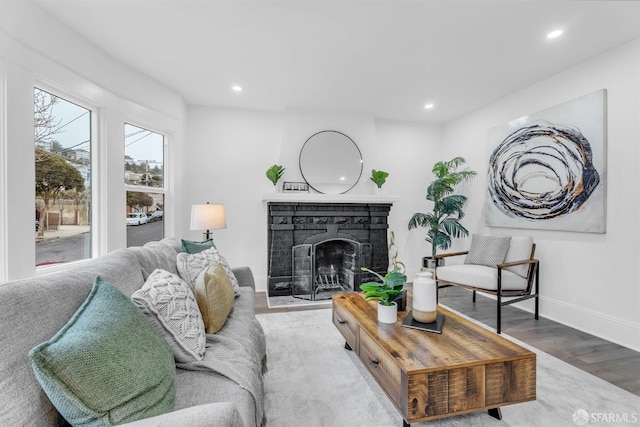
(107, 365)
(192, 247)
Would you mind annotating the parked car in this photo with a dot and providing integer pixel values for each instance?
(137, 218)
(156, 216)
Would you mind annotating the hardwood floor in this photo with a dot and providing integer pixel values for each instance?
(611, 362)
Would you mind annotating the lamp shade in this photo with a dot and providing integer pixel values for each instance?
(207, 217)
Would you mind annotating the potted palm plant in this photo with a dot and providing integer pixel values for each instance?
(385, 292)
(443, 222)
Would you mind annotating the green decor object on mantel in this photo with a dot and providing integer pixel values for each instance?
(443, 222)
(274, 173)
(379, 177)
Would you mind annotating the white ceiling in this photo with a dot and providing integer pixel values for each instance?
(382, 57)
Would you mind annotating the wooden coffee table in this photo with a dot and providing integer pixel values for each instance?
(426, 375)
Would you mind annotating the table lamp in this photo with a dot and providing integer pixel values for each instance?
(207, 217)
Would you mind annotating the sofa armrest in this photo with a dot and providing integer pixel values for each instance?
(223, 414)
(244, 276)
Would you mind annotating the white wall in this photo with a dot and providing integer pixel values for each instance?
(235, 147)
(36, 50)
(588, 281)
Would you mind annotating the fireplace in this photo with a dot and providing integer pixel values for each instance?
(317, 249)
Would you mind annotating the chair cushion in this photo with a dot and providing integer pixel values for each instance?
(487, 250)
(171, 307)
(215, 297)
(480, 276)
(519, 249)
(107, 365)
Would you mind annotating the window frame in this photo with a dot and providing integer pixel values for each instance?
(96, 178)
(142, 124)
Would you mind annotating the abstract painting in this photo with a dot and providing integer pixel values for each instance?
(548, 170)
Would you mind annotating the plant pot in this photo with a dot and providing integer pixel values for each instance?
(387, 313)
(430, 262)
(401, 300)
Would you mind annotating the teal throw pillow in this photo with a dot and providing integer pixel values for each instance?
(191, 247)
(108, 365)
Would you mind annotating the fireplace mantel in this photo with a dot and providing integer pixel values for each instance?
(328, 198)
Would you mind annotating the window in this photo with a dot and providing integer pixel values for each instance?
(62, 143)
(144, 180)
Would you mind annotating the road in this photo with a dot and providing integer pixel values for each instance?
(78, 246)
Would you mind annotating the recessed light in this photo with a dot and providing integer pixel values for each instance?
(428, 106)
(236, 88)
(554, 34)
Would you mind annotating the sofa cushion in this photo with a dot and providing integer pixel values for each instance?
(206, 415)
(193, 247)
(155, 255)
(215, 296)
(487, 250)
(191, 265)
(481, 276)
(171, 307)
(107, 365)
(519, 249)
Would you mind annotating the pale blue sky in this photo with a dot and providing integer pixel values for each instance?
(76, 132)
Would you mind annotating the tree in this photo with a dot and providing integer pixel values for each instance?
(138, 200)
(46, 125)
(54, 175)
(443, 222)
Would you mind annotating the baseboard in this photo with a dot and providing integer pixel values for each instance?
(601, 325)
(592, 322)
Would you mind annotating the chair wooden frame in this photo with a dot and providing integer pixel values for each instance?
(514, 296)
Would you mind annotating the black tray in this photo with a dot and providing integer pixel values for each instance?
(435, 327)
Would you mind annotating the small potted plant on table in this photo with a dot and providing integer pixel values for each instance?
(385, 292)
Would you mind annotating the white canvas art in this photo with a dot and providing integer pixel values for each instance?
(548, 170)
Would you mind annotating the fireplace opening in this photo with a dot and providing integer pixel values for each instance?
(324, 268)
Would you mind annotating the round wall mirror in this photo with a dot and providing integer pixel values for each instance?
(330, 162)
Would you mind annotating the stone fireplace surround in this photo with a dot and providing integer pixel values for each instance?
(332, 240)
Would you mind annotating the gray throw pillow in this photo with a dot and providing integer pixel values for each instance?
(487, 250)
(171, 307)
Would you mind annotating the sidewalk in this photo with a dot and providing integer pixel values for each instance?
(65, 231)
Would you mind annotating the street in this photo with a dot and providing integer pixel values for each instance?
(78, 246)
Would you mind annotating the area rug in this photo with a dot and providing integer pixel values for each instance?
(313, 381)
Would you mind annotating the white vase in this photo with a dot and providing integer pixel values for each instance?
(387, 313)
(425, 298)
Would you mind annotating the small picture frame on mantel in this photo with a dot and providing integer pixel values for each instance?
(295, 187)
